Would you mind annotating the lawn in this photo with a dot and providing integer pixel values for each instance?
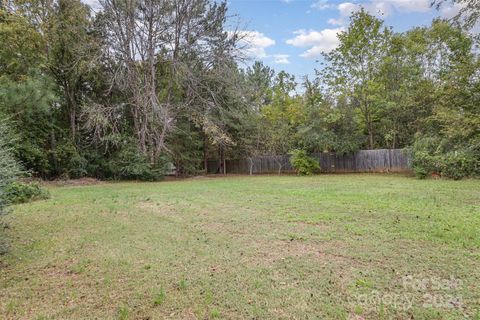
(266, 247)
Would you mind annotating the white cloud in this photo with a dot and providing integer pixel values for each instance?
(321, 5)
(318, 41)
(374, 7)
(347, 8)
(382, 7)
(281, 58)
(254, 43)
(451, 10)
(410, 5)
(335, 22)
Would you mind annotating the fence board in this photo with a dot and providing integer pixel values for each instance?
(380, 160)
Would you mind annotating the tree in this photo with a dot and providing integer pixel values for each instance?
(184, 38)
(281, 118)
(353, 67)
(72, 52)
(21, 46)
(26, 93)
(260, 80)
(449, 141)
(120, 93)
(329, 125)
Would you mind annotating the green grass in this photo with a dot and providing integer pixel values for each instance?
(322, 247)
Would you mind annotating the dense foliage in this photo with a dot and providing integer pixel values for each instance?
(13, 191)
(303, 163)
(141, 85)
(9, 168)
(18, 192)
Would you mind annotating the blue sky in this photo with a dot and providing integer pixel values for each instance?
(291, 34)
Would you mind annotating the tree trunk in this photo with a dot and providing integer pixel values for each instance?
(73, 123)
(368, 122)
(205, 160)
(279, 163)
(370, 138)
(221, 161)
(250, 167)
(370, 131)
(71, 106)
(53, 146)
(394, 144)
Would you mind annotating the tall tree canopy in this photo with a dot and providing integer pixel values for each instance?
(142, 84)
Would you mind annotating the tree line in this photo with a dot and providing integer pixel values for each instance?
(122, 93)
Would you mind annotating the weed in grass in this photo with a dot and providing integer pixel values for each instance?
(208, 297)
(214, 314)
(182, 285)
(363, 283)
(381, 312)
(11, 306)
(123, 313)
(78, 268)
(293, 237)
(358, 310)
(159, 298)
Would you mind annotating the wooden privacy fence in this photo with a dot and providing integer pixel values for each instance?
(380, 160)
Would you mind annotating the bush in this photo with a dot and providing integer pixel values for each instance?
(303, 163)
(131, 164)
(425, 164)
(429, 156)
(186, 149)
(420, 172)
(71, 164)
(458, 164)
(18, 192)
(9, 168)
